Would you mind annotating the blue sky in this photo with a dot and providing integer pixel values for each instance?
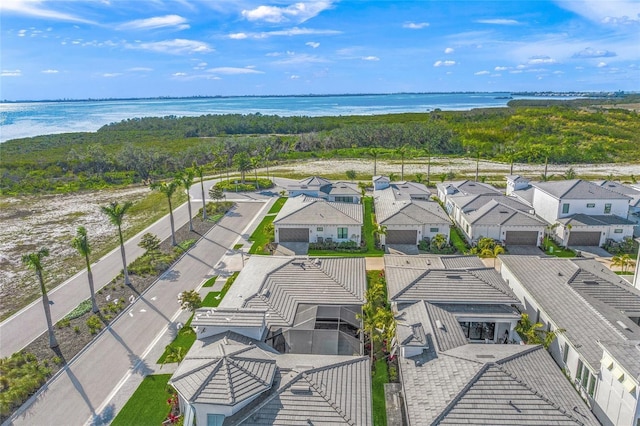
(112, 48)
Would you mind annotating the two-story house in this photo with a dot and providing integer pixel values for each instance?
(318, 187)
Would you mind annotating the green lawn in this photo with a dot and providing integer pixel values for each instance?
(260, 237)
(379, 378)
(210, 282)
(557, 250)
(148, 405)
(457, 240)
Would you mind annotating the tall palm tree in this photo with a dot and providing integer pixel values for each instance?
(168, 189)
(402, 151)
(199, 171)
(115, 212)
(186, 180)
(81, 243)
(255, 163)
(34, 261)
(243, 164)
(374, 153)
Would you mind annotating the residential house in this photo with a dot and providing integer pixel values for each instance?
(318, 187)
(308, 219)
(407, 214)
(476, 296)
(464, 187)
(634, 205)
(595, 313)
(273, 348)
(445, 306)
(588, 214)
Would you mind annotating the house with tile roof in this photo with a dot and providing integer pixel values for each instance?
(588, 214)
(448, 380)
(308, 219)
(318, 187)
(407, 213)
(278, 351)
(464, 188)
(634, 205)
(598, 313)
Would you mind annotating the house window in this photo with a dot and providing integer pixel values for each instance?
(579, 371)
(215, 419)
(607, 208)
(591, 205)
(565, 208)
(319, 229)
(565, 353)
(344, 199)
(592, 385)
(434, 229)
(343, 233)
(617, 231)
(585, 377)
(478, 330)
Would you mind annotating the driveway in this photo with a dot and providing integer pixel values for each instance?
(592, 251)
(83, 391)
(525, 250)
(408, 249)
(292, 249)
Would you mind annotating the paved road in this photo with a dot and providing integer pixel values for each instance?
(87, 384)
(22, 328)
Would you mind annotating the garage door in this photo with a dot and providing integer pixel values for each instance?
(522, 238)
(401, 237)
(299, 235)
(584, 239)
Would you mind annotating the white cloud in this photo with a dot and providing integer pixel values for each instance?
(602, 64)
(111, 74)
(482, 73)
(295, 31)
(370, 58)
(22, 33)
(498, 21)
(593, 53)
(10, 73)
(35, 9)
(558, 72)
(140, 69)
(177, 46)
(501, 68)
(444, 63)
(49, 71)
(415, 25)
(179, 74)
(312, 44)
(233, 71)
(537, 60)
(294, 77)
(611, 12)
(448, 50)
(298, 12)
(174, 21)
(300, 59)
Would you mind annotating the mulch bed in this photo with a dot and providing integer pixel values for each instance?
(74, 337)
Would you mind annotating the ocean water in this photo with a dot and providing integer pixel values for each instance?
(26, 119)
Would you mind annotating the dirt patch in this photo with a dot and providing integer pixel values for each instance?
(32, 222)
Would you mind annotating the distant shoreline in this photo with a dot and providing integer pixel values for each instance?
(311, 95)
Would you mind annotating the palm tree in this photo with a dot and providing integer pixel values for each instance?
(116, 212)
(568, 228)
(374, 153)
(186, 180)
(168, 189)
(569, 174)
(623, 261)
(266, 157)
(34, 261)
(255, 163)
(243, 164)
(199, 171)
(402, 151)
(428, 166)
(81, 243)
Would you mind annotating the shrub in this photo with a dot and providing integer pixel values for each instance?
(76, 329)
(94, 324)
(79, 311)
(64, 322)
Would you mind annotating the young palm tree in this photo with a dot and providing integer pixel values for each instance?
(115, 212)
(168, 189)
(402, 151)
(199, 171)
(374, 153)
(81, 243)
(255, 163)
(34, 261)
(243, 164)
(186, 180)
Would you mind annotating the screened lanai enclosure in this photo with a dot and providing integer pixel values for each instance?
(321, 330)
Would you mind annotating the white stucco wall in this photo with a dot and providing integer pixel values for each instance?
(618, 405)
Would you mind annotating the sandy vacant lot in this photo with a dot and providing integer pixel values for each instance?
(29, 223)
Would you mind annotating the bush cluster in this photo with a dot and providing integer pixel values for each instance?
(345, 246)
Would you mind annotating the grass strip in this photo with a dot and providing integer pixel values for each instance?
(379, 378)
(148, 404)
(210, 282)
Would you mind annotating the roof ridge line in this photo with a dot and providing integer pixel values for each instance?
(535, 391)
(204, 382)
(233, 360)
(213, 361)
(460, 394)
(487, 282)
(406, 288)
(325, 396)
(321, 269)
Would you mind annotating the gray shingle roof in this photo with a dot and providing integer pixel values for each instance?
(221, 317)
(441, 285)
(607, 288)
(344, 188)
(474, 202)
(304, 210)
(594, 220)
(627, 354)
(450, 334)
(279, 284)
(470, 187)
(547, 280)
(490, 384)
(413, 212)
(496, 212)
(577, 189)
(623, 189)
